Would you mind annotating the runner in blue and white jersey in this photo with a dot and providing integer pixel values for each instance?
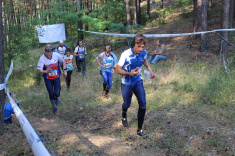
(48, 65)
(106, 60)
(128, 66)
(61, 48)
(79, 53)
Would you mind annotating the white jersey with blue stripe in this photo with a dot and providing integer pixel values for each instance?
(130, 61)
(107, 61)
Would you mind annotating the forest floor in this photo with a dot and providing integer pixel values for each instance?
(177, 122)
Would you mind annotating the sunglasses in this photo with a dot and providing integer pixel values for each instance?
(48, 50)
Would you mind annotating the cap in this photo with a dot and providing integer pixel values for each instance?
(61, 41)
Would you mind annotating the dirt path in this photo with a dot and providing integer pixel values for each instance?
(71, 139)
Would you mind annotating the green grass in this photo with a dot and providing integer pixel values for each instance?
(183, 94)
(184, 100)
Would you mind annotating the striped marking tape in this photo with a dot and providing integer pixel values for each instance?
(159, 35)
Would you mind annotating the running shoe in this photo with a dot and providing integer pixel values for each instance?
(140, 133)
(124, 122)
(106, 96)
(104, 93)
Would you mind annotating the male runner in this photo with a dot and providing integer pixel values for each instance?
(48, 65)
(128, 66)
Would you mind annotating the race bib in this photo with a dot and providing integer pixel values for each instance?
(107, 65)
(70, 65)
(53, 73)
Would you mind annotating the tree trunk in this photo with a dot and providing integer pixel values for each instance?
(234, 11)
(197, 17)
(79, 8)
(200, 22)
(231, 13)
(148, 7)
(194, 15)
(210, 3)
(18, 20)
(161, 4)
(139, 12)
(204, 26)
(135, 12)
(225, 23)
(128, 13)
(2, 96)
(87, 7)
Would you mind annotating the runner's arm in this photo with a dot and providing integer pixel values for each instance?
(43, 71)
(146, 64)
(64, 67)
(40, 67)
(98, 62)
(75, 54)
(115, 65)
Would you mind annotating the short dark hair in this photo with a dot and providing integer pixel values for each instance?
(68, 50)
(160, 41)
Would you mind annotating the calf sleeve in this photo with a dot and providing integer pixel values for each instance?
(141, 115)
(104, 86)
(124, 113)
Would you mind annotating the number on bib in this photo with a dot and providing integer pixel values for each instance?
(70, 65)
(53, 73)
(108, 65)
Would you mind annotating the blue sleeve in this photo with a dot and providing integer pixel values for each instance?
(8, 110)
(114, 57)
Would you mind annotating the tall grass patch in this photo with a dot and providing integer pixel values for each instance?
(194, 85)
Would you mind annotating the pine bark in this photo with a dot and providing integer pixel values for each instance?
(161, 4)
(2, 97)
(148, 7)
(231, 13)
(79, 8)
(200, 22)
(139, 12)
(87, 7)
(204, 26)
(135, 12)
(225, 23)
(128, 13)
